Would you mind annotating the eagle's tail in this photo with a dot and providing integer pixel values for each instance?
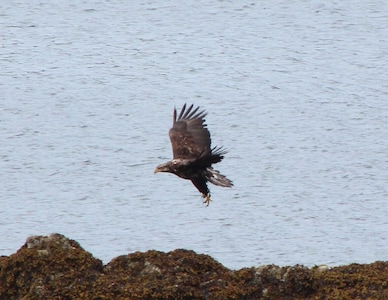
(216, 178)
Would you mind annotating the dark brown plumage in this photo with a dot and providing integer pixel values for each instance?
(192, 153)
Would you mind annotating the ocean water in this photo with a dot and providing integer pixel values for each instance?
(296, 91)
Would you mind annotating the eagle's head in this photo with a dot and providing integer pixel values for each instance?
(166, 167)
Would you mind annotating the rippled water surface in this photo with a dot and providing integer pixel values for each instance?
(296, 91)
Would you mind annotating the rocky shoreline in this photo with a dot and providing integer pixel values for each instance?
(55, 267)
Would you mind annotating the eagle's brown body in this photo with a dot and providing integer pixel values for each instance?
(192, 152)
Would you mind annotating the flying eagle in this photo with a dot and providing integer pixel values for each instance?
(193, 155)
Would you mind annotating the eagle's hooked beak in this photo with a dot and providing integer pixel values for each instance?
(162, 168)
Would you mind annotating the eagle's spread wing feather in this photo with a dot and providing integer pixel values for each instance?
(189, 136)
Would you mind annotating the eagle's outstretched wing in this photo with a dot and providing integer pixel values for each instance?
(189, 135)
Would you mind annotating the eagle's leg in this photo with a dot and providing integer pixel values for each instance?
(207, 199)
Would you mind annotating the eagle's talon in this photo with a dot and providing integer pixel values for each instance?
(207, 199)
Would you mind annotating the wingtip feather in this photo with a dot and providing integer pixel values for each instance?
(182, 111)
(174, 116)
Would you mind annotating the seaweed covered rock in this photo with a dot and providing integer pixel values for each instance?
(55, 267)
(47, 267)
(179, 274)
(354, 281)
(294, 282)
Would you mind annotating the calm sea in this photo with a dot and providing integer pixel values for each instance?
(297, 91)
